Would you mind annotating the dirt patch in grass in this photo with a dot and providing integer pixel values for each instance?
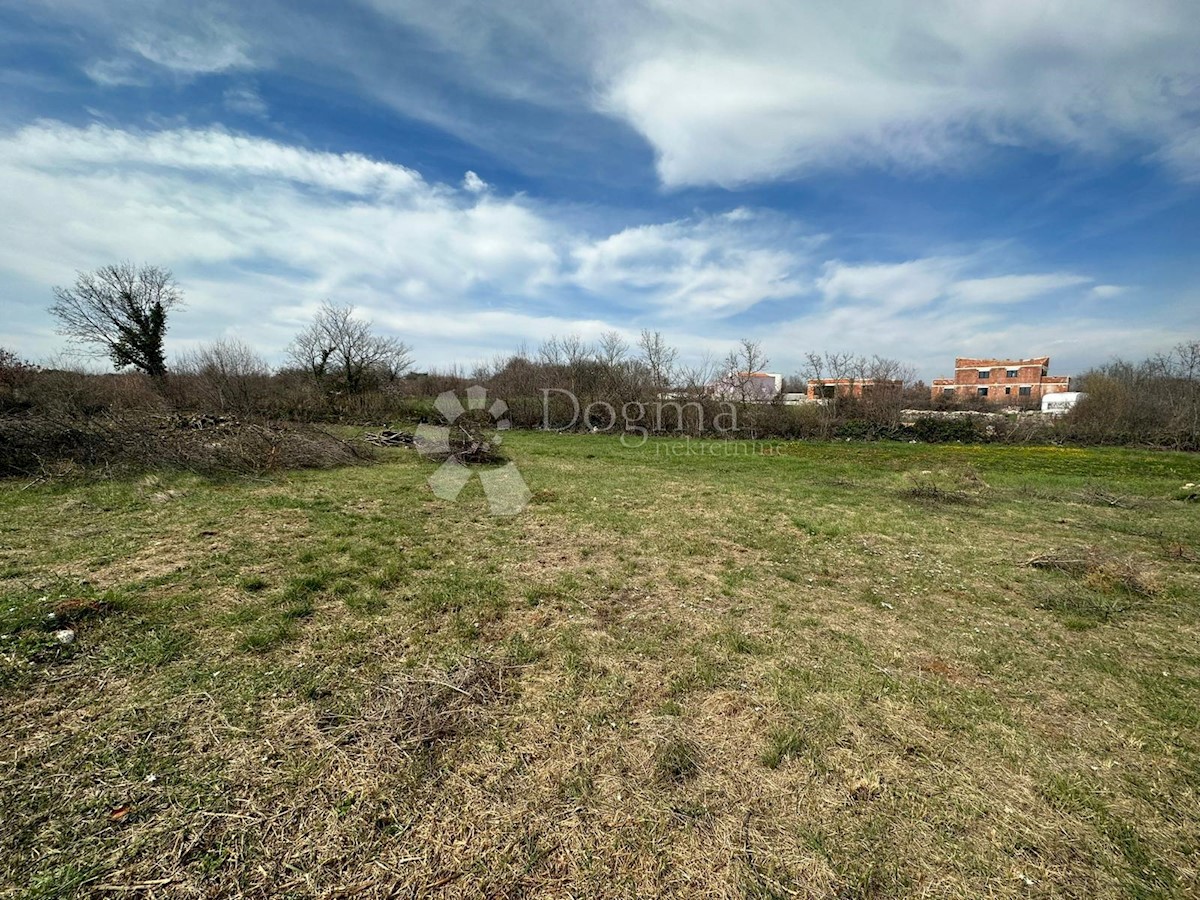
(156, 558)
(931, 665)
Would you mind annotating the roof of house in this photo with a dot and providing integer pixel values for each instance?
(970, 362)
(856, 381)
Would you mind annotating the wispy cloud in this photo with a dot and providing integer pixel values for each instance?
(937, 281)
(245, 100)
(724, 93)
(1182, 154)
(1014, 288)
(709, 266)
(891, 286)
(260, 232)
(134, 42)
(269, 229)
(728, 94)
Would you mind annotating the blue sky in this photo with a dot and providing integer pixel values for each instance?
(919, 181)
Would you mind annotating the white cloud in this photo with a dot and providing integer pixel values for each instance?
(1182, 154)
(260, 232)
(197, 47)
(734, 93)
(1014, 288)
(244, 100)
(119, 72)
(729, 93)
(937, 281)
(892, 286)
(725, 93)
(293, 225)
(139, 41)
(473, 183)
(208, 152)
(714, 266)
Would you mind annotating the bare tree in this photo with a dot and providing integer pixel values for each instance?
(823, 368)
(231, 372)
(830, 366)
(550, 353)
(121, 310)
(696, 379)
(745, 365)
(612, 349)
(869, 388)
(660, 360)
(574, 349)
(343, 352)
(881, 388)
(1181, 362)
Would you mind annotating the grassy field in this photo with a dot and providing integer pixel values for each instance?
(703, 670)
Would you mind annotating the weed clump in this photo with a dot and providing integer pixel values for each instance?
(1103, 588)
(958, 487)
(1099, 496)
(676, 760)
(427, 710)
(1099, 571)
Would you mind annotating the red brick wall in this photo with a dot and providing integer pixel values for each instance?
(851, 387)
(967, 381)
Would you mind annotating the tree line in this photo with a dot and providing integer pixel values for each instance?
(340, 367)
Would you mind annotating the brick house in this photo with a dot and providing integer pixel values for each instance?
(1016, 381)
(829, 388)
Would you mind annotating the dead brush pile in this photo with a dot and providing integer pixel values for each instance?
(962, 486)
(468, 441)
(1099, 496)
(46, 446)
(1099, 570)
(427, 710)
(1103, 586)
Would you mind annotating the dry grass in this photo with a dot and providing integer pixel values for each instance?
(959, 486)
(421, 712)
(715, 678)
(1100, 570)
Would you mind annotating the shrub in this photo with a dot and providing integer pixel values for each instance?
(944, 431)
(40, 445)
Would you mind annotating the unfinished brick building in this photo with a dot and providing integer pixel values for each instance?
(828, 388)
(1016, 381)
